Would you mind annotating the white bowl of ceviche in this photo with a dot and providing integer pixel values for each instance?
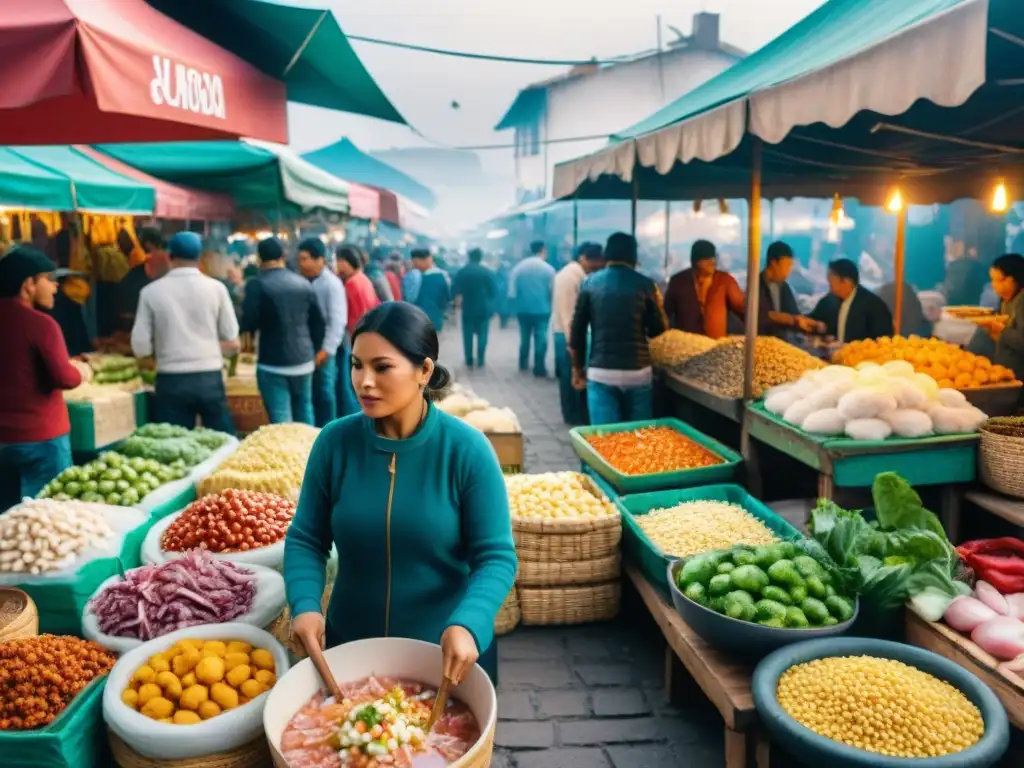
(388, 687)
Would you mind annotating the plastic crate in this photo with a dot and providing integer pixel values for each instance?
(682, 478)
(653, 563)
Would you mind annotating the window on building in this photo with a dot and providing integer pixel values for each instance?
(527, 140)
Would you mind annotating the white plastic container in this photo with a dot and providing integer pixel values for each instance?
(166, 741)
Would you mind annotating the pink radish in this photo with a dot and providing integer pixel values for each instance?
(1016, 603)
(991, 597)
(966, 613)
(1002, 636)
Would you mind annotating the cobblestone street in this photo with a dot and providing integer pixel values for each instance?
(588, 696)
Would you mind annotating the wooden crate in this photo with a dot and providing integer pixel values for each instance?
(99, 424)
(509, 447)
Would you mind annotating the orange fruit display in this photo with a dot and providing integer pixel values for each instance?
(651, 451)
(950, 366)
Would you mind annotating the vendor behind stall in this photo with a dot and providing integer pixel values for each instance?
(1007, 275)
(850, 312)
(701, 298)
(155, 265)
(778, 310)
(34, 426)
(69, 311)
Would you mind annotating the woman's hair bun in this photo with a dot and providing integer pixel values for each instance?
(440, 379)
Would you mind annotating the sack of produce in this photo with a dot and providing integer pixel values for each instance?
(172, 445)
(155, 600)
(241, 526)
(205, 468)
(64, 727)
(271, 459)
(116, 479)
(58, 552)
(194, 692)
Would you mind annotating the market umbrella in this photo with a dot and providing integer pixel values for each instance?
(86, 71)
(304, 47)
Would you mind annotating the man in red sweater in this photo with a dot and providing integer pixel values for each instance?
(34, 427)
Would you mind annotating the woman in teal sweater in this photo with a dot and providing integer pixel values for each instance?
(414, 500)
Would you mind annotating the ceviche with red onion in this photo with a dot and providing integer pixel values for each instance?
(380, 722)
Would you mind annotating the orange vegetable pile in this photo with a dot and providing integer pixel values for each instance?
(950, 366)
(651, 450)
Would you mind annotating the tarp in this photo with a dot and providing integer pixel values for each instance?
(117, 70)
(857, 96)
(259, 176)
(305, 47)
(345, 160)
(173, 201)
(24, 184)
(91, 187)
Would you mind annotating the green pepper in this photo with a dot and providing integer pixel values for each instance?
(749, 578)
(778, 594)
(720, 585)
(815, 610)
(696, 592)
(839, 607)
(795, 618)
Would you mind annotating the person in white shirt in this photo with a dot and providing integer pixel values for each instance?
(187, 322)
(589, 258)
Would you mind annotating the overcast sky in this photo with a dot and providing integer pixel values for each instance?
(422, 86)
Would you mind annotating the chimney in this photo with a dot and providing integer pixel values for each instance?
(705, 31)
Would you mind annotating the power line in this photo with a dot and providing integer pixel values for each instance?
(484, 147)
(479, 56)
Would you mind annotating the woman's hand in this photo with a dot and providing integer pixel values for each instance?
(308, 630)
(460, 653)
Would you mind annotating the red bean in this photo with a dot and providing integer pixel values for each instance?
(233, 520)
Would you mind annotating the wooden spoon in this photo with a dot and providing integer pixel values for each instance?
(317, 657)
(440, 702)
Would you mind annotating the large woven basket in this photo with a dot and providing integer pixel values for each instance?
(255, 754)
(555, 606)
(509, 615)
(551, 573)
(567, 539)
(247, 412)
(1001, 462)
(18, 615)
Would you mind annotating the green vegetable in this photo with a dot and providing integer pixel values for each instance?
(749, 578)
(770, 609)
(739, 605)
(807, 566)
(816, 587)
(717, 604)
(830, 621)
(699, 568)
(774, 623)
(777, 551)
(830, 590)
(815, 610)
(798, 593)
(784, 572)
(726, 567)
(778, 594)
(789, 549)
(795, 618)
(839, 607)
(719, 585)
(762, 556)
(696, 592)
(743, 556)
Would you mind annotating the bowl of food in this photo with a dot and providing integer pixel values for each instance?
(388, 686)
(752, 600)
(862, 703)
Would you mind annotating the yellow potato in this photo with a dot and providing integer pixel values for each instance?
(130, 697)
(167, 720)
(209, 709)
(251, 689)
(210, 670)
(225, 696)
(159, 663)
(188, 680)
(186, 717)
(144, 674)
(184, 645)
(170, 683)
(266, 677)
(239, 646)
(158, 708)
(148, 692)
(262, 659)
(186, 661)
(215, 648)
(239, 675)
(235, 659)
(193, 696)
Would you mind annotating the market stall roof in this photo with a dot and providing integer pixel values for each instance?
(90, 186)
(173, 201)
(258, 175)
(24, 184)
(855, 97)
(305, 47)
(345, 160)
(118, 70)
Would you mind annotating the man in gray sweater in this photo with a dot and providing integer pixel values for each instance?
(330, 296)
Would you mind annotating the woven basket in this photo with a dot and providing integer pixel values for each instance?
(509, 615)
(1001, 463)
(255, 754)
(567, 540)
(547, 573)
(247, 412)
(555, 606)
(18, 615)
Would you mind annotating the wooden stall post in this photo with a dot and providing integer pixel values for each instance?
(575, 225)
(898, 265)
(632, 205)
(668, 237)
(753, 286)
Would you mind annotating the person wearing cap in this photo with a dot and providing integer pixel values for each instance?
(282, 308)
(35, 445)
(566, 292)
(156, 264)
(475, 288)
(330, 296)
(186, 321)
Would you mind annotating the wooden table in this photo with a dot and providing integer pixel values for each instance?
(729, 407)
(950, 644)
(1009, 509)
(724, 680)
(947, 461)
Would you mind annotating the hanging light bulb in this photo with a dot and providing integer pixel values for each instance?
(723, 207)
(837, 210)
(1000, 201)
(895, 202)
(697, 205)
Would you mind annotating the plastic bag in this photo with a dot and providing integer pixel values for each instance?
(267, 605)
(166, 741)
(866, 404)
(869, 430)
(827, 421)
(909, 423)
(152, 552)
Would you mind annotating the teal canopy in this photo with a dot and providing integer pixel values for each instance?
(259, 176)
(301, 46)
(858, 96)
(63, 179)
(345, 160)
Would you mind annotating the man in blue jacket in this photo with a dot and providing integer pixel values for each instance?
(330, 295)
(434, 293)
(283, 309)
(530, 285)
(475, 289)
